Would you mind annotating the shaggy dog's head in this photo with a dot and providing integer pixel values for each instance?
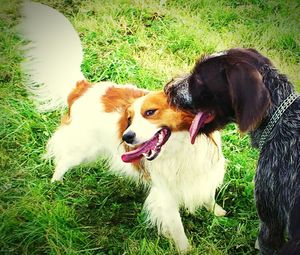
(222, 88)
(151, 121)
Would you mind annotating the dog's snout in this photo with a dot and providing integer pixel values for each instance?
(129, 137)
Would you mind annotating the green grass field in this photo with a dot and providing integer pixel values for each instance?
(145, 43)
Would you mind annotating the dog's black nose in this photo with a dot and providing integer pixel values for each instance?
(128, 137)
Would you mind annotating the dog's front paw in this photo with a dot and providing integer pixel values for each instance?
(180, 239)
(219, 211)
(56, 179)
(256, 245)
(184, 247)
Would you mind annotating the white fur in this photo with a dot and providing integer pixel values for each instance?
(53, 56)
(183, 175)
(90, 134)
(217, 54)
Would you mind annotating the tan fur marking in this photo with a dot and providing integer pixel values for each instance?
(166, 115)
(65, 119)
(77, 92)
(118, 99)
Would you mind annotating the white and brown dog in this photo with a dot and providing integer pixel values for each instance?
(157, 147)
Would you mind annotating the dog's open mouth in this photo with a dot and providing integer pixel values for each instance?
(199, 121)
(149, 149)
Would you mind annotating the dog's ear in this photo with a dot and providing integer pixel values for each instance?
(249, 96)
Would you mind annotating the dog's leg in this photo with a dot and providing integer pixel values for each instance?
(294, 221)
(256, 244)
(270, 239)
(60, 170)
(69, 160)
(212, 206)
(163, 212)
(219, 211)
(292, 247)
(59, 173)
(70, 147)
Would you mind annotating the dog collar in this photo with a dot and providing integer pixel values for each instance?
(275, 117)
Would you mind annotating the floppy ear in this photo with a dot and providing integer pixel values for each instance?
(249, 96)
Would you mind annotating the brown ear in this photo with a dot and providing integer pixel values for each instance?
(249, 96)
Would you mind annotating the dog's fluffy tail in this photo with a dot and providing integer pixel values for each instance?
(53, 55)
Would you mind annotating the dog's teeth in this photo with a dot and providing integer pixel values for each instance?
(160, 138)
(149, 154)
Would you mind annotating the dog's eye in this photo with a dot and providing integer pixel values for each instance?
(149, 113)
(129, 121)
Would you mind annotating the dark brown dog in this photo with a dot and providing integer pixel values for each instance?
(242, 86)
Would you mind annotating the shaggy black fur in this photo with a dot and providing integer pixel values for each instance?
(277, 180)
(242, 86)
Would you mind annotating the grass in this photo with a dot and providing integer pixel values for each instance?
(145, 43)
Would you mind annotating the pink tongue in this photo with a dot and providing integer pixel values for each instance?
(136, 154)
(196, 125)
